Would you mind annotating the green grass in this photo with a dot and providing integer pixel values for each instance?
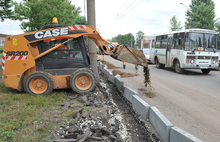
(1, 48)
(28, 118)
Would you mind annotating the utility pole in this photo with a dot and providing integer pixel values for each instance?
(92, 46)
(190, 25)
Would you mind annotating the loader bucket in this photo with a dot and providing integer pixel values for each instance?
(127, 54)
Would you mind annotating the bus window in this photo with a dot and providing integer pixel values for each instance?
(153, 44)
(164, 41)
(158, 41)
(210, 42)
(179, 41)
(196, 41)
(169, 44)
(187, 42)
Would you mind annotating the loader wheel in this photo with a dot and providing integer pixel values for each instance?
(83, 81)
(39, 83)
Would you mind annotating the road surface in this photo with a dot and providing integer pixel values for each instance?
(190, 101)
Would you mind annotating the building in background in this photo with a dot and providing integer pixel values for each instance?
(2, 39)
(145, 42)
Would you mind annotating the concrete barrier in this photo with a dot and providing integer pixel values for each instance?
(129, 92)
(160, 123)
(118, 82)
(141, 106)
(179, 135)
(109, 74)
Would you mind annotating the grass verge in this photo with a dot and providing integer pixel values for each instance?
(28, 118)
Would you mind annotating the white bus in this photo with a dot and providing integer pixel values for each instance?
(185, 49)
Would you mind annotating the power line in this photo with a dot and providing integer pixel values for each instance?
(128, 6)
(119, 13)
(124, 14)
(121, 10)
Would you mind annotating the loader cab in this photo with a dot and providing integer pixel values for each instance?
(64, 60)
(67, 58)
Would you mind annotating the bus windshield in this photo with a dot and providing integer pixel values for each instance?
(200, 42)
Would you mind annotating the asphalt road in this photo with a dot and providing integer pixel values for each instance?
(190, 101)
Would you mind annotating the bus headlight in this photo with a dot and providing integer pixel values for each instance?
(192, 61)
(215, 61)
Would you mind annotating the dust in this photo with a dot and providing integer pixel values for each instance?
(146, 93)
(123, 74)
(110, 66)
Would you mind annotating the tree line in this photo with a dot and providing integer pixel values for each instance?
(200, 14)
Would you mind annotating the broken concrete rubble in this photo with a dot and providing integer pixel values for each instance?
(99, 119)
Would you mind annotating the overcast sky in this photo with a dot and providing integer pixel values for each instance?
(115, 17)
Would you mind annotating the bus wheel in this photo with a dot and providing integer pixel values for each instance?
(83, 81)
(159, 65)
(205, 71)
(178, 69)
(39, 83)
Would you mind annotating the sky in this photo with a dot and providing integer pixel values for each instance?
(115, 17)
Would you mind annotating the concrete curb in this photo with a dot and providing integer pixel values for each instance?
(162, 125)
(129, 92)
(141, 106)
(177, 134)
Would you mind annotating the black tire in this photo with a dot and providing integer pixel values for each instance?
(178, 69)
(39, 83)
(205, 71)
(83, 81)
(159, 65)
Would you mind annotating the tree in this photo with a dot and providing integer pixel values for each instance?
(174, 24)
(139, 37)
(124, 39)
(36, 13)
(202, 13)
(217, 29)
(5, 11)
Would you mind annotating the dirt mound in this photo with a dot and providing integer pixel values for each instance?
(146, 71)
(123, 74)
(110, 66)
(146, 93)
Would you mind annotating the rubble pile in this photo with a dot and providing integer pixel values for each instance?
(98, 120)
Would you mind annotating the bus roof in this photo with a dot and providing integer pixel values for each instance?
(189, 30)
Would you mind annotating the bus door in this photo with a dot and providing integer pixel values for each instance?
(152, 50)
(168, 51)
